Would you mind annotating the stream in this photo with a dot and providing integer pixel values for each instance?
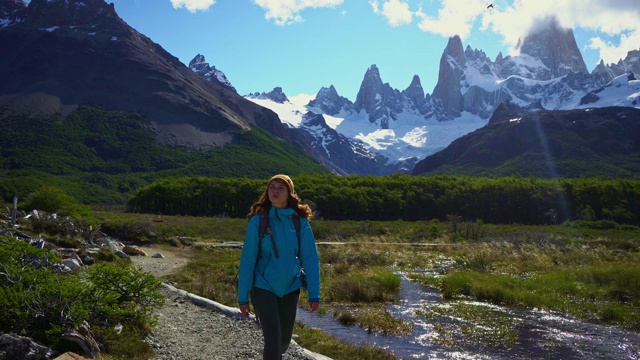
(505, 333)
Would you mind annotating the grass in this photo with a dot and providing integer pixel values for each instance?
(322, 343)
(475, 326)
(590, 272)
(603, 293)
(589, 281)
(166, 229)
(212, 273)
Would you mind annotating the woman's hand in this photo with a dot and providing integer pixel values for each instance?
(313, 306)
(244, 309)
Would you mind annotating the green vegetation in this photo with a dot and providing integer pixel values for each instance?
(586, 271)
(53, 200)
(586, 267)
(211, 273)
(43, 303)
(327, 345)
(103, 157)
(595, 282)
(42, 300)
(484, 327)
(508, 200)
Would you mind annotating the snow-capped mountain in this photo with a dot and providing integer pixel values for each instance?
(336, 151)
(621, 91)
(275, 95)
(201, 67)
(403, 127)
(631, 63)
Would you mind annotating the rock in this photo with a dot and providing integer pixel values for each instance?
(88, 259)
(73, 264)
(133, 250)
(70, 356)
(84, 337)
(13, 346)
(157, 256)
(38, 243)
(112, 246)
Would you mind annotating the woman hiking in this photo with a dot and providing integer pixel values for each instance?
(279, 249)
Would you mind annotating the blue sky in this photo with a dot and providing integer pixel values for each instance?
(303, 45)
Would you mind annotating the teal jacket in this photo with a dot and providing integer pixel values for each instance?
(280, 275)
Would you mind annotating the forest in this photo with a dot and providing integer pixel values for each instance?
(500, 200)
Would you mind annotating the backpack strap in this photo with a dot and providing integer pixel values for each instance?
(296, 223)
(265, 227)
(264, 224)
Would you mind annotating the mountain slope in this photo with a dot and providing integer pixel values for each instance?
(103, 156)
(92, 106)
(59, 54)
(572, 143)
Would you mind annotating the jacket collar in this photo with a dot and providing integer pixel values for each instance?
(281, 212)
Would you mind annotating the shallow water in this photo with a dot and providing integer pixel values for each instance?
(540, 335)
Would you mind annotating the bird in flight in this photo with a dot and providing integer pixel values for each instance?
(490, 6)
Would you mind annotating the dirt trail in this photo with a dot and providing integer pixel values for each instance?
(174, 259)
(188, 331)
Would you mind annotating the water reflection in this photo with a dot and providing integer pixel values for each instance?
(538, 334)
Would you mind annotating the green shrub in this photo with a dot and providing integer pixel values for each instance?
(54, 200)
(42, 303)
(35, 300)
(123, 294)
(136, 231)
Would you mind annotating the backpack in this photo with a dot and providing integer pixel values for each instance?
(265, 228)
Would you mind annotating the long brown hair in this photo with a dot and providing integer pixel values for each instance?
(264, 204)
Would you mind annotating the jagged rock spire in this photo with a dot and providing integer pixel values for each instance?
(200, 66)
(556, 48)
(378, 99)
(452, 65)
(330, 102)
(415, 93)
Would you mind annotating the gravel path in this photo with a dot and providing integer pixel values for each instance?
(188, 331)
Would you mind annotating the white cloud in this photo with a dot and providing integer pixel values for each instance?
(285, 12)
(376, 7)
(455, 17)
(395, 11)
(193, 5)
(513, 19)
(611, 53)
(611, 17)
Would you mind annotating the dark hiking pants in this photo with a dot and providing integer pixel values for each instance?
(277, 316)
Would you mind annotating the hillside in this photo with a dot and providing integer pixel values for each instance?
(571, 143)
(104, 156)
(91, 105)
(58, 55)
